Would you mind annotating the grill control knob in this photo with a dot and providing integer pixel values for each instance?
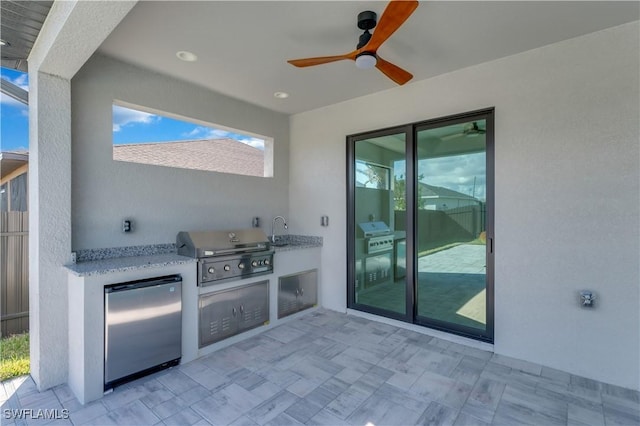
(266, 261)
(254, 263)
(211, 270)
(241, 266)
(227, 267)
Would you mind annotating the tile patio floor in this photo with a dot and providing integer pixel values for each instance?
(327, 368)
(451, 286)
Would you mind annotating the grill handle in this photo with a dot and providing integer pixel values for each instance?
(233, 250)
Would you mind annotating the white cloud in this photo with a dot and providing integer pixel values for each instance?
(462, 173)
(194, 133)
(202, 132)
(254, 142)
(218, 134)
(21, 81)
(8, 101)
(124, 116)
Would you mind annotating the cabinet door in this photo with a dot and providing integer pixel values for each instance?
(288, 290)
(218, 316)
(253, 305)
(308, 293)
(297, 292)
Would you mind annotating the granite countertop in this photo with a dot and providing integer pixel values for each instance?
(120, 259)
(127, 263)
(295, 242)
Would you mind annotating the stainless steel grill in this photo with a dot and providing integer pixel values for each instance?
(376, 253)
(227, 255)
(374, 229)
(378, 237)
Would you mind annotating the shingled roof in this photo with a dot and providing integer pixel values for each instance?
(216, 155)
(438, 191)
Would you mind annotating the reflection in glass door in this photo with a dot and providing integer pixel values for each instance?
(379, 171)
(451, 226)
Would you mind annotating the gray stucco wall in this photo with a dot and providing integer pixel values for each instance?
(567, 210)
(162, 201)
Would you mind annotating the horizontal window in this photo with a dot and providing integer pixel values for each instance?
(162, 140)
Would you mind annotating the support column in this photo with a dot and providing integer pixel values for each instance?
(49, 225)
(72, 32)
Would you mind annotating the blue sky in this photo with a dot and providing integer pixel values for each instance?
(135, 126)
(15, 115)
(129, 125)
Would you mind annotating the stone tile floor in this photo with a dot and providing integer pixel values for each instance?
(327, 368)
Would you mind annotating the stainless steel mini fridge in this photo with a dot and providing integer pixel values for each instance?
(142, 328)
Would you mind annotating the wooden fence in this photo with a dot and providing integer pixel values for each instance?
(438, 228)
(14, 272)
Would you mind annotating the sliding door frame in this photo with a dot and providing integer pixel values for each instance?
(407, 130)
(411, 133)
(449, 327)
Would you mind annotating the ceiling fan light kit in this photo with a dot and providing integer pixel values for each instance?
(366, 61)
(365, 55)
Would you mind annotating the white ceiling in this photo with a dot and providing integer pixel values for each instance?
(243, 46)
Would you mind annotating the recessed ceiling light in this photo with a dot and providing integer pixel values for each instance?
(187, 56)
(281, 95)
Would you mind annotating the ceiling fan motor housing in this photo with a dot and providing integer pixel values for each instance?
(367, 20)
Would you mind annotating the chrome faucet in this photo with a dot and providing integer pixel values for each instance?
(273, 225)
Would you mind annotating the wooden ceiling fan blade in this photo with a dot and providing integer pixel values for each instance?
(394, 72)
(396, 13)
(452, 136)
(308, 62)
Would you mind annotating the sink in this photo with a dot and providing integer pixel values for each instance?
(279, 241)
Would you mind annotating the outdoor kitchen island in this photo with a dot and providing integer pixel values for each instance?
(87, 279)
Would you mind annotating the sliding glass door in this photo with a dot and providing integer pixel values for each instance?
(421, 223)
(451, 225)
(379, 220)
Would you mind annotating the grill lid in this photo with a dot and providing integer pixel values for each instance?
(217, 243)
(374, 229)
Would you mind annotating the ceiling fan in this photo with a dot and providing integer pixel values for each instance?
(469, 130)
(472, 129)
(396, 13)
